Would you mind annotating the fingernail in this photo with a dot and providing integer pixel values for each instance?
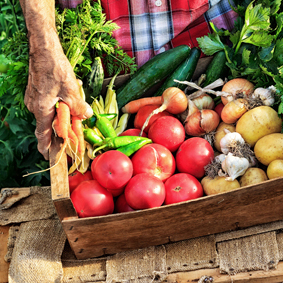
(88, 112)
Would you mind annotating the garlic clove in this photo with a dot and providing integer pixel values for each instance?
(234, 166)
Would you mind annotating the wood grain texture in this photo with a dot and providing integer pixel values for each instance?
(238, 209)
(59, 181)
(4, 266)
(271, 276)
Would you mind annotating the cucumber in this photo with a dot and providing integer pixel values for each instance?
(152, 72)
(216, 69)
(183, 72)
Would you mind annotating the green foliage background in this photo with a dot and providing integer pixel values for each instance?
(84, 34)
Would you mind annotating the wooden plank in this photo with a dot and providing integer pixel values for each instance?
(4, 266)
(238, 209)
(261, 276)
(59, 181)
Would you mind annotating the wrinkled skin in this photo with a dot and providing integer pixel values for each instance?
(51, 77)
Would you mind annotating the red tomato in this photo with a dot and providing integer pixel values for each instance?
(77, 177)
(91, 199)
(218, 108)
(93, 163)
(116, 193)
(181, 187)
(193, 155)
(133, 132)
(145, 191)
(113, 169)
(121, 205)
(154, 159)
(167, 131)
(144, 112)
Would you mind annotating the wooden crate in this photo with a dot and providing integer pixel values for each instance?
(99, 236)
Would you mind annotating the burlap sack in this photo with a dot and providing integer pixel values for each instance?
(279, 238)
(257, 252)
(13, 234)
(37, 253)
(34, 204)
(192, 254)
(138, 266)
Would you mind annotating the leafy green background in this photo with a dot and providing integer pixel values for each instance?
(18, 145)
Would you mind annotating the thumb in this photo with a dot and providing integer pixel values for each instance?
(81, 109)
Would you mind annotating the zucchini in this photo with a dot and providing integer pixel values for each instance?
(96, 77)
(152, 72)
(183, 72)
(216, 69)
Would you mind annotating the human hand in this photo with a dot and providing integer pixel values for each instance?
(51, 78)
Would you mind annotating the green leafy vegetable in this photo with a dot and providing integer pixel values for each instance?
(254, 47)
(85, 34)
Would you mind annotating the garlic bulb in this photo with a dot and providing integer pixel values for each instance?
(230, 140)
(220, 158)
(234, 166)
(266, 95)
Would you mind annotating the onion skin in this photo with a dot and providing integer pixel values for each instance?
(233, 110)
(175, 100)
(201, 122)
(235, 87)
(204, 101)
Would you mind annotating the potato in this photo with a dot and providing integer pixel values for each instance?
(269, 148)
(220, 133)
(257, 123)
(275, 169)
(253, 176)
(218, 185)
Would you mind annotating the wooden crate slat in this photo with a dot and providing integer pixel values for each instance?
(244, 207)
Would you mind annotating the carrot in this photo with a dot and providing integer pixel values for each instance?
(62, 125)
(62, 118)
(73, 137)
(133, 106)
(78, 131)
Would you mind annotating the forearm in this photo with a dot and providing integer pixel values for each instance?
(40, 21)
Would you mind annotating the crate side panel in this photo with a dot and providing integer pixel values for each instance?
(242, 208)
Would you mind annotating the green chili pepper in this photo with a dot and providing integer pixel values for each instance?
(104, 126)
(131, 148)
(92, 137)
(90, 122)
(116, 142)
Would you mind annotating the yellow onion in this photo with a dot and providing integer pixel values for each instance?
(238, 88)
(233, 110)
(200, 122)
(204, 101)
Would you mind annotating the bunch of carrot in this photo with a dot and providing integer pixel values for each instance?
(69, 128)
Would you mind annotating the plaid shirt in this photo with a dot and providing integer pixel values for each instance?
(148, 27)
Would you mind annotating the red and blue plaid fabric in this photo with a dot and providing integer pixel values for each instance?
(148, 27)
